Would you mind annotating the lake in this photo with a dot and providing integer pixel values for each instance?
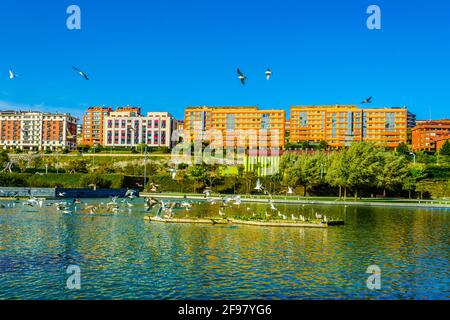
(122, 257)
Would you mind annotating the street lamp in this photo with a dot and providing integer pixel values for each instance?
(414, 155)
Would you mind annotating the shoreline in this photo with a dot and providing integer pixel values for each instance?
(289, 200)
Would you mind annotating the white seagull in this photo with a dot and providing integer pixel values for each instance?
(290, 190)
(12, 75)
(81, 73)
(268, 74)
(241, 76)
(259, 186)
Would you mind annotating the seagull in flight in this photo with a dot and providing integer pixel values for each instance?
(259, 186)
(268, 74)
(241, 76)
(368, 100)
(81, 73)
(12, 75)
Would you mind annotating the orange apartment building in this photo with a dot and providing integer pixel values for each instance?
(92, 128)
(37, 131)
(340, 125)
(262, 129)
(426, 136)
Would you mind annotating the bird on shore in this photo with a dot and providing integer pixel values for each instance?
(259, 186)
(318, 216)
(272, 205)
(368, 100)
(81, 73)
(268, 74)
(130, 194)
(207, 192)
(241, 76)
(290, 190)
(154, 187)
(173, 172)
(221, 213)
(12, 75)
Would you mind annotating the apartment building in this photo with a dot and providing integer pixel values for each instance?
(128, 128)
(37, 130)
(92, 128)
(236, 126)
(340, 125)
(426, 133)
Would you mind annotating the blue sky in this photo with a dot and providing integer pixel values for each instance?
(168, 54)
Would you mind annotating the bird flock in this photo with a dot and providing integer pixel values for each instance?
(241, 76)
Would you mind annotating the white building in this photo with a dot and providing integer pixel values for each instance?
(129, 129)
(37, 130)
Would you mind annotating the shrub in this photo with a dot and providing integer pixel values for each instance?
(95, 179)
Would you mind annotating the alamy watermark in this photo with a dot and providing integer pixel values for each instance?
(74, 280)
(374, 280)
(374, 20)
(73, 22)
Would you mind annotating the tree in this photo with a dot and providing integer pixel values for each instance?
(402, 148)
(37, 162)
(338, 174)
(445, 149)
(363, 163)
(393, 172)
(77, 166)
(197, 173)
(323, 145)
(22, 164)
(416, 173)
(4, 158)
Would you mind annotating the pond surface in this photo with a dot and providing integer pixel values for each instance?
(122, 257)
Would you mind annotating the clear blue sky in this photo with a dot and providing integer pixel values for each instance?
(165, 55)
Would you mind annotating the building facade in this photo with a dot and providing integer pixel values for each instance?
(128, 128)
(425, 134)
(341, 125)
(37, 130)
(235, 126)
(92, 128)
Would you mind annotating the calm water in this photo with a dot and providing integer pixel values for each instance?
(123, 257)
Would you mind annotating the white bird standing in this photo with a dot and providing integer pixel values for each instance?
(290, 190)
(268, 74)
(81, 73)
(173, 171)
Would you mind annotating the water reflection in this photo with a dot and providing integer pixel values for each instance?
(123, 257)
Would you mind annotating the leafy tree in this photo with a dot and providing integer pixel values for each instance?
(416, 173)
(22, 164)
(445, 149)
(363, 161)
(402, 148)
(77, 166)
(393, 172)
(4, 158)
(323, 145)
(198, 174)
(37, 162)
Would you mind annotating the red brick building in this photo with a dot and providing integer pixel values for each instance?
(426, 134)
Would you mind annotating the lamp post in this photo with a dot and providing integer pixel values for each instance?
(414, 156)
(145, 167)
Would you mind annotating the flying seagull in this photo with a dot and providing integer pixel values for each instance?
(268, 74)
(368, 100)
(12, 75)
(84, 75)
(241, 76)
